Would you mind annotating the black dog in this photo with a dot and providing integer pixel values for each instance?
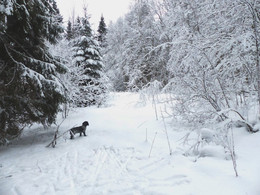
(80, 130)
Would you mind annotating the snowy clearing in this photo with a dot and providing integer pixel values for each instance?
(114, 157)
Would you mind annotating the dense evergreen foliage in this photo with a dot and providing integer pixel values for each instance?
(102, 31)
(86, 67)
(30, 90)
(69, 33)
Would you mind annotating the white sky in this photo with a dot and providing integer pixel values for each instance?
(111, 9)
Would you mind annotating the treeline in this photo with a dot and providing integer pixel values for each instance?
(35, 76)
(205, 54)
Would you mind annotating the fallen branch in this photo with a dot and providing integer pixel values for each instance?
(53, 142)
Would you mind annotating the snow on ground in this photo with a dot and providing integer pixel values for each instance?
(114, 158)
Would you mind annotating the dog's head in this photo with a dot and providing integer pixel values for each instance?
(85, 123)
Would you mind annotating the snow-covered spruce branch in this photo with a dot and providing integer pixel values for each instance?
(12, 79)
(37, 76)
(22, 65)
(46, 66)
(14, 40)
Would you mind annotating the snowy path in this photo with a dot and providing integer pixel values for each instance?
(113, 159)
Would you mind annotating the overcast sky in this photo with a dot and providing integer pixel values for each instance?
(111, 9)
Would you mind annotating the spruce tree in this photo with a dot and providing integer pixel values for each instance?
(76, 29)
(88, 58)
(69, 33)
(102, 31)
(30, 90)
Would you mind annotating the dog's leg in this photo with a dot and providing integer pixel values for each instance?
(80, 134)
(84, 132)
(71, 135)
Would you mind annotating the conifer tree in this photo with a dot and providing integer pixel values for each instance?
(69, 34)
(76, 28)
(102, 31)
(30, 90)
(88, 58)
(55, 21)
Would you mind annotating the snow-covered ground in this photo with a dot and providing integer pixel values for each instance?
(116, 158)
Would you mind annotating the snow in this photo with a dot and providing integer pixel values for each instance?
(114, 157)
(92, 51)
(6, 9)
(79, 58)
(207, 134)
(92, 62)
(80, 52)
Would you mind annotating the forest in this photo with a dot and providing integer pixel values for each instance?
(203, 54)
(171, 92)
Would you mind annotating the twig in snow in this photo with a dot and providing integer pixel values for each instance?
(54, 141)
(166, 132)
(56, 134)
(233, 154)
(38, 166)
(152, 144)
